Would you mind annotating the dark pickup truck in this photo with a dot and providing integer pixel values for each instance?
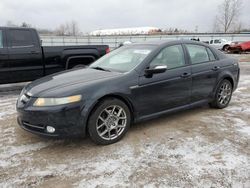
(22, 58)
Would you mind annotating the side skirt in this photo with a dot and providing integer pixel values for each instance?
(169, 111)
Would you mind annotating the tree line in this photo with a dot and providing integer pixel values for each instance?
(66, 29)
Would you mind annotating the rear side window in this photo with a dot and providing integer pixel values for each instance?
(198, 54)
(211, 55)
(171, 56)
(19, 38)
(1, 39)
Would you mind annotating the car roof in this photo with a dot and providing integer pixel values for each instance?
(170, 41)
(163, 43)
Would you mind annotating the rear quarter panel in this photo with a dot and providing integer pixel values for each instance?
(229, 69)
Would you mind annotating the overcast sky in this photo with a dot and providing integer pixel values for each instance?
(106, 14)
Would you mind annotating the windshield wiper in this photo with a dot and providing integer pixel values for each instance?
(101, 68)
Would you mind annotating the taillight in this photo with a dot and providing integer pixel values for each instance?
(107, 50)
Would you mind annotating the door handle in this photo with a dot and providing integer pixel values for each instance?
(216, 68)
(185, 75)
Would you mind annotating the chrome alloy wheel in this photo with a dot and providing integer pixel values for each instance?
(224, 93)
(111, 122)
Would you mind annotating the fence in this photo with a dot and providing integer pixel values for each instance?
(114, 41)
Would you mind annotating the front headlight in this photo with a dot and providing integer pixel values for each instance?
(57, 101)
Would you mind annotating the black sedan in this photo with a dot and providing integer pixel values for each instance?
(130, 84)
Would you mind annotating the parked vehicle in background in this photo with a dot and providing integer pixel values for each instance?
(133, 83)
(195, 39)
(239, 47)
(22, 58)
(206, 42)
(220, 44)
(124, 43)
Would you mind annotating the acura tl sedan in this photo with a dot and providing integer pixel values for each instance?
(133, 83)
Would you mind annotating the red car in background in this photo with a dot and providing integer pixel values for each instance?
(239, 47)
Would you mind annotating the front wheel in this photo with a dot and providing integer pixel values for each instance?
(223, 95)
(109, 121)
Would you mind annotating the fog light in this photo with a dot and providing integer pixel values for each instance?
(50, 129)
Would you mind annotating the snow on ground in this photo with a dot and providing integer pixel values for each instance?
(198, 148)
(7, 106)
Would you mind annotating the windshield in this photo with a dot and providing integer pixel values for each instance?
(123, 59)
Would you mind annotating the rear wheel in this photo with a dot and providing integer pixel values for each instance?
(223, 95)
(109, 122)
(225, 48)
(240, 51)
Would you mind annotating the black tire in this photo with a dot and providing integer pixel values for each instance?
(96, 120)
(240, 51)
(225, 48)
(222, 96)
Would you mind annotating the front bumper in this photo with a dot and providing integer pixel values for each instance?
(66, 120)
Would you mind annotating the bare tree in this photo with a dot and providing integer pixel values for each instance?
(24, 24)
(10, 24)
(216, 26)
(228, 14)
(70, 28)
(61, 30)
(238, 27)
(73, 28)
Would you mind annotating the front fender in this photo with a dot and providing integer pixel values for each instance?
(91, 103)
(119, 88)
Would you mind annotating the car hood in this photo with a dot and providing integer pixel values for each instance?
(67, 79)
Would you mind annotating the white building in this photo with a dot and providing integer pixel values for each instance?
(126, 31)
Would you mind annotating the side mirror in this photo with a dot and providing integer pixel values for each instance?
(155, 70)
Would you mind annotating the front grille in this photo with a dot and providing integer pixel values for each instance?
(39, 128)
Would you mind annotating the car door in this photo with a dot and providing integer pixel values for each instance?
(217, 43)
(165, 90)
(204, 71)
(4, 59)
(25, 56)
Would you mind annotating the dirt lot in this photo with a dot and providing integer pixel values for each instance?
(201, 147)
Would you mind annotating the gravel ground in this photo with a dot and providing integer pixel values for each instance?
(200, 147)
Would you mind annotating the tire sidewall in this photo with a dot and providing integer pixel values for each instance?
(96, 112)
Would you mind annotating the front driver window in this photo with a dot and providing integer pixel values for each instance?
(171, 56)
